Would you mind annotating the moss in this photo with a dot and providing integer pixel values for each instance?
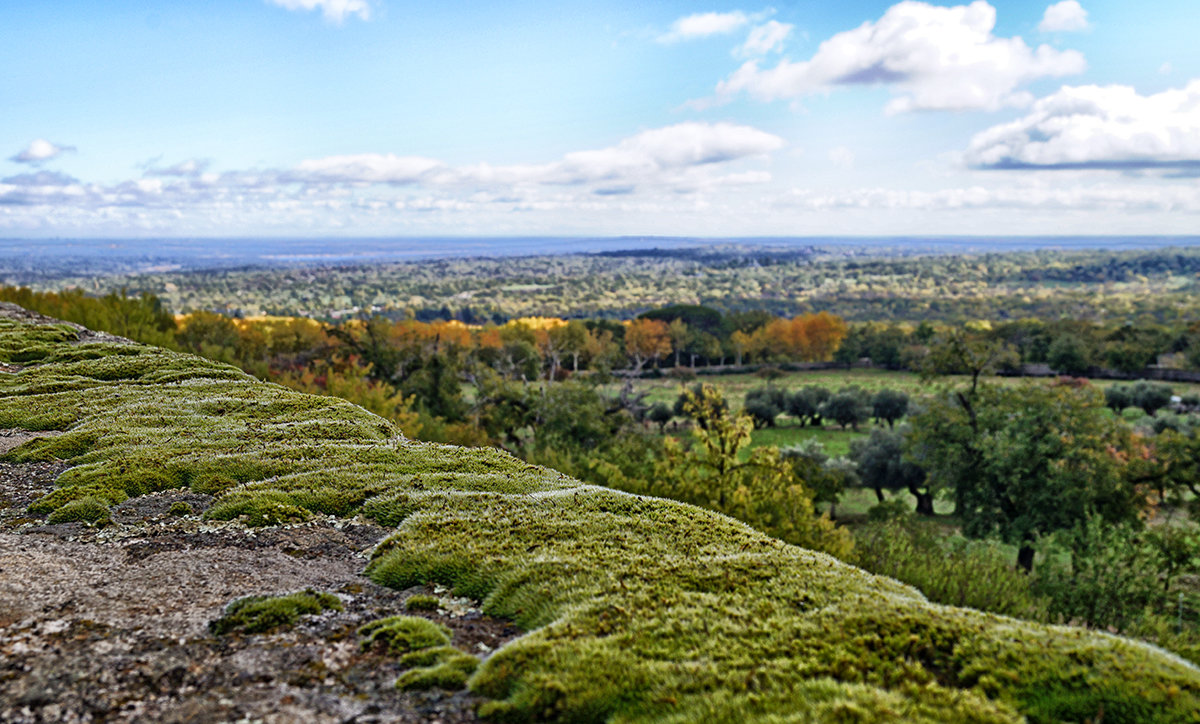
(89, 509)
(258, 614)
(258, 509)
(422, 602)
(62, 497)
(637, 609)
(179, 509)
(402, 634)
(443, 667)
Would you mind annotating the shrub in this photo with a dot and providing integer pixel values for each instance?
(948, 570)
(1099, 574)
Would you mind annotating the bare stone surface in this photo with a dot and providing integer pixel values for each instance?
(111, 624)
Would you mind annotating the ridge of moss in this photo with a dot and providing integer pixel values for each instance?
(639, 609)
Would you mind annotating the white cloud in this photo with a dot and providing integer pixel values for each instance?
(193, 167)
(1064, 17)
(1098, 127)
(764, 39)
(673, 147)
(676, 166)
(936, 58)
(1098, 198)
(366, 168)
(653, 155)
(702, 25)
(40, 150)
(40, 178)
(334, 11)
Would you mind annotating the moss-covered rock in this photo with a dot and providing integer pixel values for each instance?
(638, 609)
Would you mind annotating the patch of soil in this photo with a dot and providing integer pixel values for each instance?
(20, 485)
(15, 437)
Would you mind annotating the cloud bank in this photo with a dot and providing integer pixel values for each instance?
(1098, 127)
(934, 58)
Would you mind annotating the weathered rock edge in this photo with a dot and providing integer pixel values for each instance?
(639, 609)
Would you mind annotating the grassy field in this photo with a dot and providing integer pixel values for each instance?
(835, 440)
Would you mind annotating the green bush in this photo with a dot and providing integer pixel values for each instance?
(950, 570)
(1101, 575)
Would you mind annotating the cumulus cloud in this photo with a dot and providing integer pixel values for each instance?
(1098, 127)
(40, 150)
(763, 39)
(673, 147)
(193, 167)
(651, 155)
(935, 58)
(366, 168)
(40, 178)
(335, 11)
(676, 161)
(702, 25)
(1064, 17)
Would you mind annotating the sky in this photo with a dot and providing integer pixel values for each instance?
(346, 118)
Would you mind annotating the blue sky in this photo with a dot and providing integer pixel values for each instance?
(380, 117)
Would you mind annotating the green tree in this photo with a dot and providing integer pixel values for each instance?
(764, 404)
(1150, 396)
(660, 413)
(762, 489)
(889, 406)
(806, 404)
(1027, 461)
(881, 466)
(1068, 355)
(848, 408)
